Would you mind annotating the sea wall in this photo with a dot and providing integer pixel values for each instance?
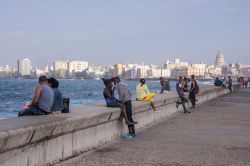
(45, 140)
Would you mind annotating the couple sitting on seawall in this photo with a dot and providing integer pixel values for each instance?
(124, 102)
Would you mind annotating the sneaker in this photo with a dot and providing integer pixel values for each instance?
(187, 112)
(128, 137)
(133, 135)
(157, 111)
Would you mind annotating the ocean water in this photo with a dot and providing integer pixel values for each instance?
(14, 93)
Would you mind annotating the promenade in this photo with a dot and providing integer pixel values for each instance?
(215, 133)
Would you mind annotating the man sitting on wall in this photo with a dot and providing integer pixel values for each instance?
(42, 101)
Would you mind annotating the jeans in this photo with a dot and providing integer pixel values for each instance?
(183, 102)
(32, 111)
(192, 98)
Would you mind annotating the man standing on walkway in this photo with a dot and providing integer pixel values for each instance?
(230, 82)
(125, 98)
(179, 89)
(165, 86)
(193, 91)
(42, 101)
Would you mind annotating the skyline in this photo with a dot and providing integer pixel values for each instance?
(116, 31)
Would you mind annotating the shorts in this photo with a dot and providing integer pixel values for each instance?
(150, 97)
(128, 106)
(112, 102)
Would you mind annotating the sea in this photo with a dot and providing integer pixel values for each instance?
(16, 92)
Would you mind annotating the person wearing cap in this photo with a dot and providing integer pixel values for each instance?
(143, 94)
(42, 101)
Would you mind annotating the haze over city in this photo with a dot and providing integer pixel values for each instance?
(116, 31)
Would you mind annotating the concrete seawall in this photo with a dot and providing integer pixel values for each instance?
(45, 140)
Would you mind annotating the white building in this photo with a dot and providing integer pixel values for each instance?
(78, 66)
(60, 65)
(175, 64)
(24, 67)
(196, 69)
(165, 73)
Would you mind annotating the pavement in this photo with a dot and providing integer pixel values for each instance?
(216, 133)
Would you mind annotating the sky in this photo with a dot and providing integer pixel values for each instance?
(106, 32)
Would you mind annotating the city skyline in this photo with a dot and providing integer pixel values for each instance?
(114, 32)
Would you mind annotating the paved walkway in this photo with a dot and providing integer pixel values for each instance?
(216, 133)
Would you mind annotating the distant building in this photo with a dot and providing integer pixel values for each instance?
(24, 67)
(78, 66)
(60, 65)
(196, 69)
(219, 61)
(118, 69)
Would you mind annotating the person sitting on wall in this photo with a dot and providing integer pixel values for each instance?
(143, 94)
(110, 99)
(58, 100)
(125, 98)
(42, 101)
(165, 85)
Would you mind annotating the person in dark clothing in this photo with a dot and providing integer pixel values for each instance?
(179, 89)
(192, 92)
(58, 100)
(185, 84)
(230, 82)
(165, 86)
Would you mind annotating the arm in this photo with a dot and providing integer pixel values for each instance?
(193, 83)
(122, 93)
(163, 86)
(109, 94)
(36, 98)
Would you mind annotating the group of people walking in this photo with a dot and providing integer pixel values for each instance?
(186, 93)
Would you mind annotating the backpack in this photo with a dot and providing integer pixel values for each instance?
(197, 88)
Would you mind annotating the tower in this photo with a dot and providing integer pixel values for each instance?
(219, 61)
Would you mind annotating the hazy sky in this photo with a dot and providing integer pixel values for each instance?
(119, 31)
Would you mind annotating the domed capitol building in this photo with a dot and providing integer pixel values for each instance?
(219, 62)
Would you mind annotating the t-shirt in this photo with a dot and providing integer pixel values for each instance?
(179, 88)
(141, 91)
(123, 92)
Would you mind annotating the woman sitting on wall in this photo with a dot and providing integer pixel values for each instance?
(143, 94)
(110, 99)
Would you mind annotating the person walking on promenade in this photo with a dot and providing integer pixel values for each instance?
(110, 99)
(193, 91)
(125, 98)
(185, 85)
(42, 101)
(58, 100)
(230, 83)
(143, 94)
(179, 89)
(165, 85)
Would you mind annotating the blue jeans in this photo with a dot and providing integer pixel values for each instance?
(32, 111)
